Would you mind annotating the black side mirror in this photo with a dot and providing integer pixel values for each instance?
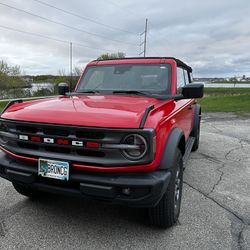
(63, 88)
(193, 90)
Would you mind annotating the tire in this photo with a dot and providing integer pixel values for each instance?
(166, 213)
(25, 190)
(196, 134)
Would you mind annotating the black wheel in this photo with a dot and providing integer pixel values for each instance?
(26, 191)
(196, 134)
(167, 211)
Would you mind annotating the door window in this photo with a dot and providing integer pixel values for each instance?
(180, 78)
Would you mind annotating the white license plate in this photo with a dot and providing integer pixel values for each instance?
(53, 169)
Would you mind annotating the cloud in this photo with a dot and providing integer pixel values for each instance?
(212, 36)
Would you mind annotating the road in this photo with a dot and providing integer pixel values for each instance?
(215, 209)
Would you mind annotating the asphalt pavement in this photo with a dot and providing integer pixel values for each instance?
(215, 211)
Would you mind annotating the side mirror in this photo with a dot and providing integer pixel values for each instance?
(193, 90)
(63, 88)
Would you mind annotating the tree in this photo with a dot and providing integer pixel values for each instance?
(107, 56)
(77, 71)
(10, 76)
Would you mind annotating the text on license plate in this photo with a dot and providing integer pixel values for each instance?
(53, 169)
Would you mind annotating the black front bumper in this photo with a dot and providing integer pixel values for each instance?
(134, 189)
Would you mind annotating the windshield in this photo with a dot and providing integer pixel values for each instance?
(151, 78)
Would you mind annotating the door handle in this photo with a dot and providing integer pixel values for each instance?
(190, 107)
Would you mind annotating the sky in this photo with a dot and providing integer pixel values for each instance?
(213, 37)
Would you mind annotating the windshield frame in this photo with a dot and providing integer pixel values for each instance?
(98, 91)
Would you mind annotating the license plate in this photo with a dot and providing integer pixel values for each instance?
(53, 169)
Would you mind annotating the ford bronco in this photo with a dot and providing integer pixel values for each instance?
(124, 136)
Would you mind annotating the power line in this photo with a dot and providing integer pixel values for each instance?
(120, 7)
(85, 18)
(65, 25)
(53, 39)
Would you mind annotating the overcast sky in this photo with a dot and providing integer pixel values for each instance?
(212, 36)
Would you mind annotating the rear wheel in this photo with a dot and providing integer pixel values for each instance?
(166, 212)
(25, 190)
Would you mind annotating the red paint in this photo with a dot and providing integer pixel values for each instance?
(90, 144)
(35, 138)
(97, 111)
(62, 142)
(19, 157)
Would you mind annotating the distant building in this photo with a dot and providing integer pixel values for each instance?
(28, 79)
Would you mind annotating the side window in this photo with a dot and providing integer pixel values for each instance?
(186, 77)
(180, 78)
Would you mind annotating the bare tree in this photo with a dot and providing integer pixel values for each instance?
(107, 56)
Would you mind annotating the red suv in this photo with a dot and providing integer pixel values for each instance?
(122, 136)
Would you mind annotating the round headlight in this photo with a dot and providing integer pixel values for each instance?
(136, 147)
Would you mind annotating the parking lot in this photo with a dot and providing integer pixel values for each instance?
(215, 207)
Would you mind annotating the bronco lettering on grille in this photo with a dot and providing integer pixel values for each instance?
(59, 141)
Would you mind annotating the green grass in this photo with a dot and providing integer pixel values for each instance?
(226, 100)
(2, 105)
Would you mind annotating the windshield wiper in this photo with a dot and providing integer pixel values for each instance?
(131, 92)
(88, 91)
(82, 92)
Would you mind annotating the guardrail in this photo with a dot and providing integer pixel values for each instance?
(27, 98)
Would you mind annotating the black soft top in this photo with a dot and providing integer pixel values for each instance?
(178, 62)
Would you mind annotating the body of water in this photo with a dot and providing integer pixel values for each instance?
(226, 85)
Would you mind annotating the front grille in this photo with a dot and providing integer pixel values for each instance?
(29, 139)
(54, 132)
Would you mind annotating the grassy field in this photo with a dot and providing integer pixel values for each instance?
(2, 105)
(218, 100)
(226, 100)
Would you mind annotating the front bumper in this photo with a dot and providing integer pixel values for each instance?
(131, 189)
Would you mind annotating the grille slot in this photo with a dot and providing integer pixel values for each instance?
(57, 132)
(89, 135)
(28, 145)
(83, 152)
(58, 149)
(27, 129)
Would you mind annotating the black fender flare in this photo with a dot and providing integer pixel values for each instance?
(197, 117)
(171, 145)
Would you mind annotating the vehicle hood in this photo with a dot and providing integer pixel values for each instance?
(98, 111)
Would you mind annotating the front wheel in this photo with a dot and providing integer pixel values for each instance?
(166, 213)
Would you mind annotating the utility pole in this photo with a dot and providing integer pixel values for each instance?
(71, 67)
(144, 43)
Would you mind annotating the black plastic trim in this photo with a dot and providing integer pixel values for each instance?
(145, 116)
(168, 157)
(197, 117)
(179, 62)
(146, 188)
